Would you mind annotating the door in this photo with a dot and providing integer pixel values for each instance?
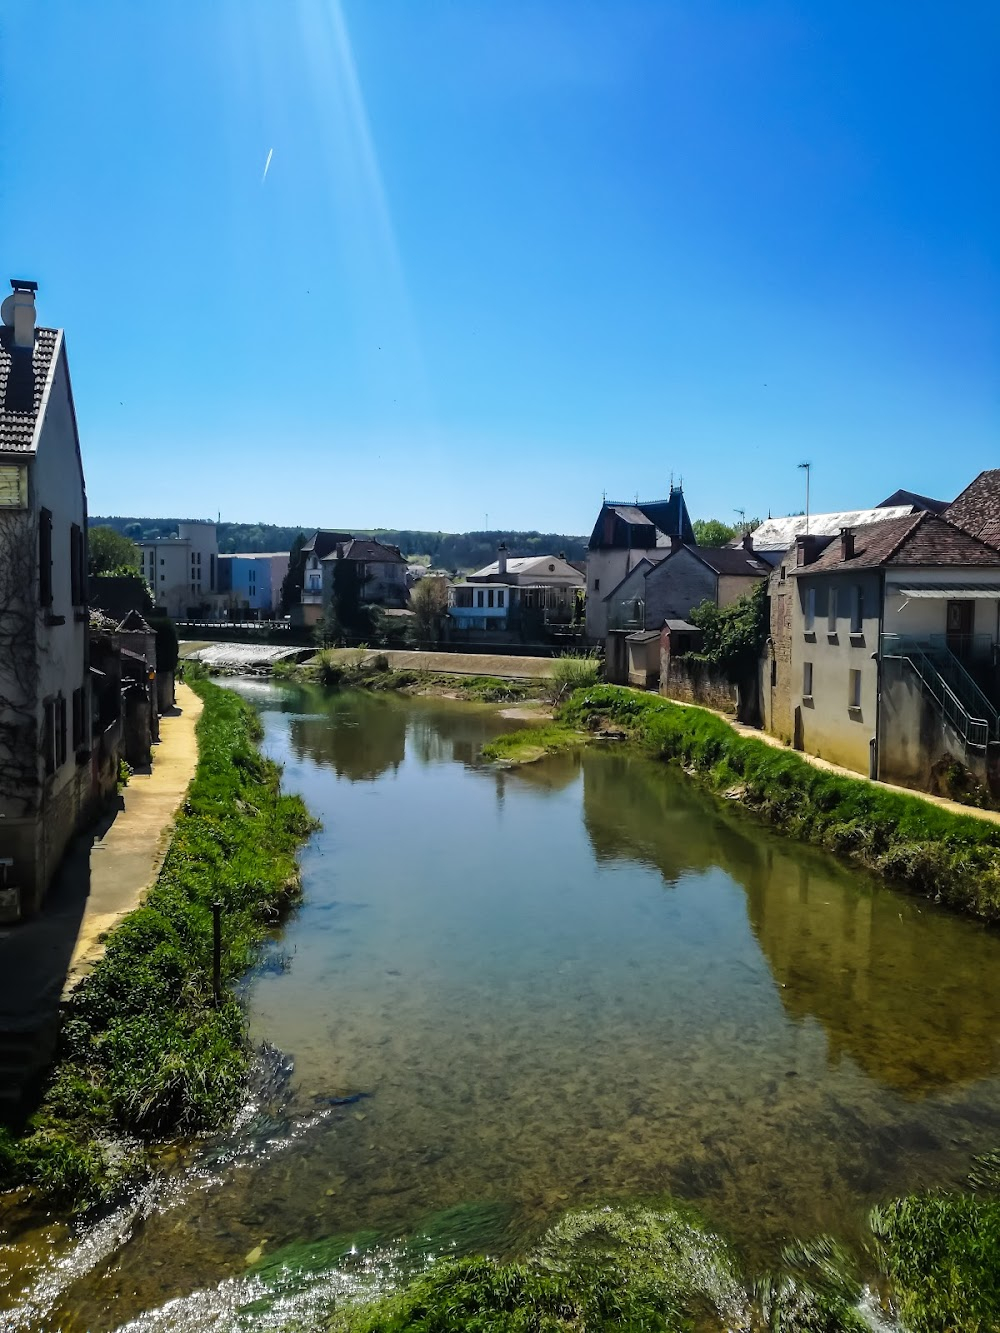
(960, 619)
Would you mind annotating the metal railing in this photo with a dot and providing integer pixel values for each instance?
(951, 670)
(976, 732)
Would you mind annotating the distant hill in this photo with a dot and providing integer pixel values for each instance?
(444, 550)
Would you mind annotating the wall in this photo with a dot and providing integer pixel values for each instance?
(913, 737)
(734, 586)
(605, 570)
(677, 585)
(57, 484)
(824, 724)
(776, 681)
(643, 662)
(695, 682)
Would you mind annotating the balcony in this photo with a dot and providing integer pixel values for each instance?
(311, 597)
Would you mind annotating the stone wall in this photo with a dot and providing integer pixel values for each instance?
(776, 682)
(691, 681)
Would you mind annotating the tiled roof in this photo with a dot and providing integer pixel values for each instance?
(923, 540)
(362, 548)
(977, 509)
(730, 560)
(22, 384)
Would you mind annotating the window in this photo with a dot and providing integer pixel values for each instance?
(500, 597)
(199, 557)
(597, 585)
(810, 609)
(854, 690)
(60, 730)
(781, 574)
(489, 597)
(807, 679)
(479, 597)
(463, 597)
(774, 672)
(831, 612)
(79, 719)
(49, 735)
(163, 577)
(162, 562)
(45, 557)
(857, 608)
(77, 565)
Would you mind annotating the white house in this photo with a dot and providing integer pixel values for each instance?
(182, 571)
(44, 698)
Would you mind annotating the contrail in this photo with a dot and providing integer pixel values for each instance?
(270, 154)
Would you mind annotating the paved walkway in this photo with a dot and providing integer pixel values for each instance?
(125, 861)
(105, 874)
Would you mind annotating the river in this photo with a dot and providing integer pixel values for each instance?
(584, 980)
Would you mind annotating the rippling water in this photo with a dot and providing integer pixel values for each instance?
(585, 980)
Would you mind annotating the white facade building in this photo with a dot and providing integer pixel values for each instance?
(182, 571)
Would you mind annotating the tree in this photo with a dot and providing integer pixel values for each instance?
(735, 635)
(294, 580)
(429, 604)
(111, 552)
(712, 532)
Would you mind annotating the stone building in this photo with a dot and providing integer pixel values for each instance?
(45, 782)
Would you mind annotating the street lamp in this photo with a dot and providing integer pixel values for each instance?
(807, 467)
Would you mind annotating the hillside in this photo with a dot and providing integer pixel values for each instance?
(444, 550)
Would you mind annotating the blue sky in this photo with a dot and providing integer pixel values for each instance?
(509, 255)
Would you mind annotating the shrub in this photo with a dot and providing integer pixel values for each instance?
(571, 672)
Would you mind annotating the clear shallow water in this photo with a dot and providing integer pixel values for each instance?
(583, 980)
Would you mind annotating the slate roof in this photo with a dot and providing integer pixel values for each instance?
(778, 534)
(922, 540)
(730, 560)
(977, 509)
(22, 384)
(323, 540)
(363, 548)
(668, 518)
(916, 500)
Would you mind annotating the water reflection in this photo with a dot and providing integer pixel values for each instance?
(362, 735)
(909, 992)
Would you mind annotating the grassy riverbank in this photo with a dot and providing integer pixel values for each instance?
(950, 857)
(145, 1053)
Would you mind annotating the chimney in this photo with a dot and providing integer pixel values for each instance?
(676, 543)
(846, 544)
(748, 541)
(502, 558)
(22, 312)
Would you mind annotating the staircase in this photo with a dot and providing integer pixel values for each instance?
(959, 700)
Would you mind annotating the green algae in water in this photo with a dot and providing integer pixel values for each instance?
(661, 1270)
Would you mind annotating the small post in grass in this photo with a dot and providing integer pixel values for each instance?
(217, 952)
